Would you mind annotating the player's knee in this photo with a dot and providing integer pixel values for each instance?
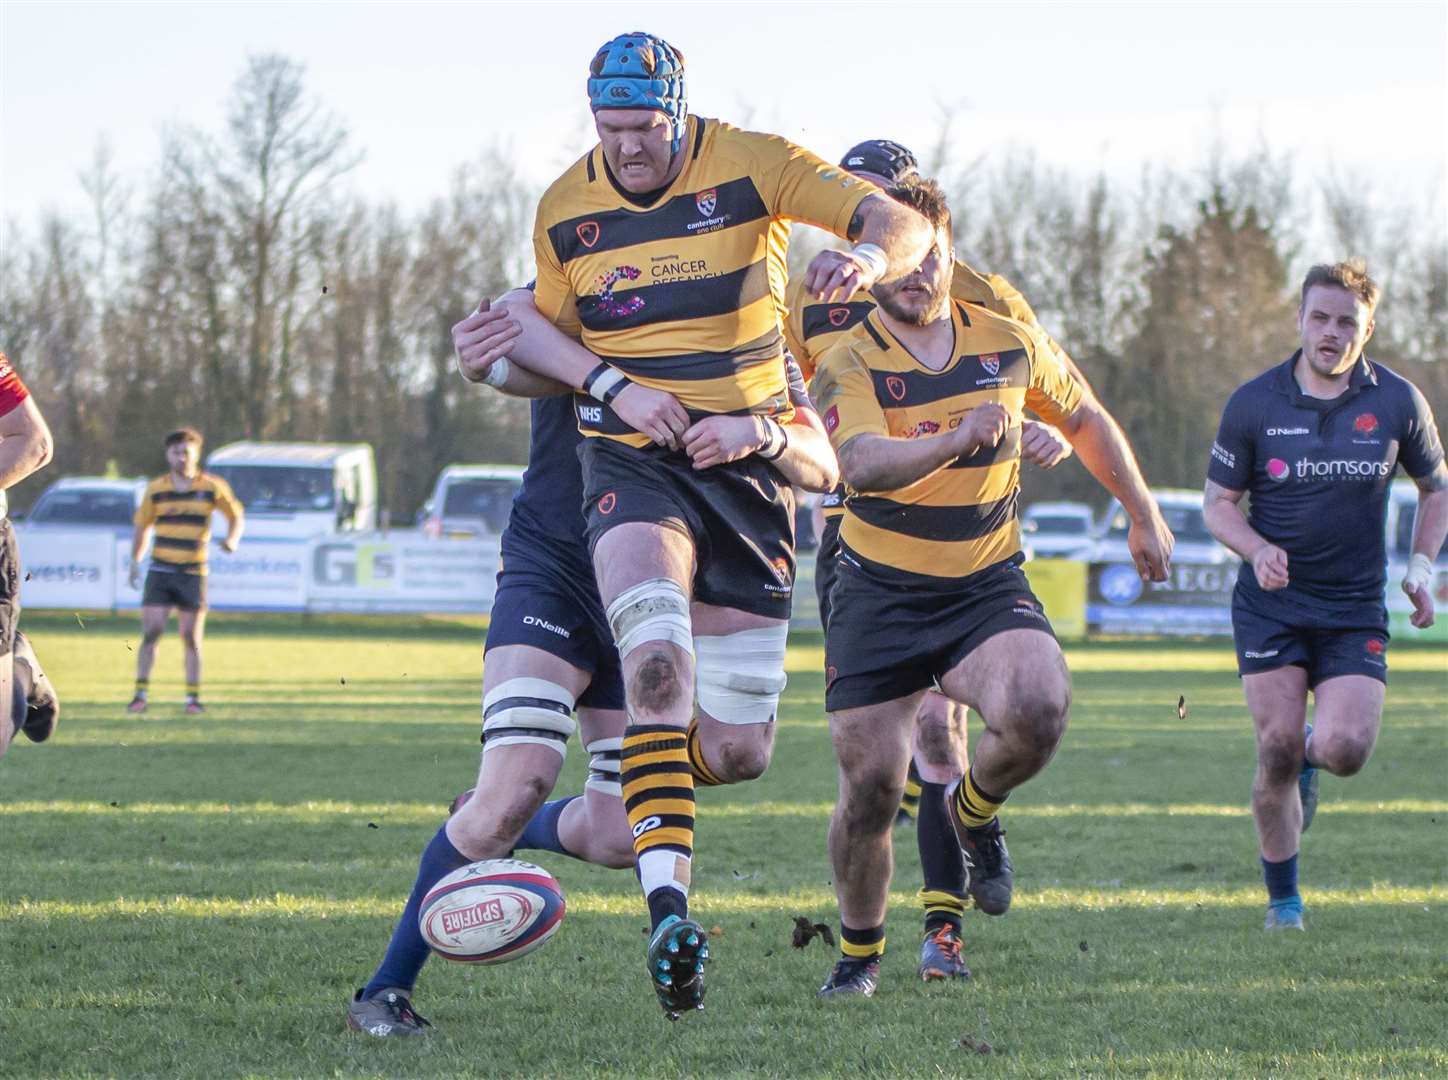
(494, 822)
(1343, 754)
(1279, 757)
(150, 635)
(741, 760)
(936, 739)
(1041, 715)
(870, 799)
(655, 686)
(190, 640)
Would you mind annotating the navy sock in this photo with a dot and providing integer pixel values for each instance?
(541, 832)
(665, 902)
(941, 863)
(1281, 878)
(408, 951)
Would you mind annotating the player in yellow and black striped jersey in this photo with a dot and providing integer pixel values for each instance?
(924, 401)
(175, 518)
(663, 250)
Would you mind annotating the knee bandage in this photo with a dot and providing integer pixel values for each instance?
(653, 610)
(740, 676)
(527, 710)
(604, 767)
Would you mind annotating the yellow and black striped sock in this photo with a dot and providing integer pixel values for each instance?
(143, 687)
(974, 806)
(193, 691)
(942, 908)
(658, 795)
(703, 775)
(867, 944)
(910, 801)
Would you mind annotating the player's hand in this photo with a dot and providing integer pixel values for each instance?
(1151, 543)
(1269, 563)
(836, 275)
(135, 575)
(482, 339)
(718, 440)
(1418, 584)
(229, 545)
(653, 412)
(984, 425)
(1043, 445)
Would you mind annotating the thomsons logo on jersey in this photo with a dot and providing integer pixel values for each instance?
(1278, 470)
(1338, 469)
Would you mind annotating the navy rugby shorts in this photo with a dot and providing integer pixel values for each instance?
(542, 603)
(174, 588)
(740, 516)
(1271, 635)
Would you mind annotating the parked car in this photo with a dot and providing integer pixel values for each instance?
(470, 501)
(1182, 509)
(86, 502)
(297, 490)
(1058, 530)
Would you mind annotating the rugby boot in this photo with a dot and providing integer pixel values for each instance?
(194, 707)
(137, 705)
(387, 1014)
(41, 708)
(1284, 917)
(677, 954)
(940, 956)
(1307, 783)
(852, 978)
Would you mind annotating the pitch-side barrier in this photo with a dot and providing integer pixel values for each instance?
(406, 572)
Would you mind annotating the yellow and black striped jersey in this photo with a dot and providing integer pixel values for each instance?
(685, 295)
(962, 518)
(183, 519)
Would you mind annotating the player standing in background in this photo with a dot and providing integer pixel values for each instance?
(664, 250)
(923, 401)
(1316, 441)
(549, 651)
(940, 749)
(177, 508)
(26, 695)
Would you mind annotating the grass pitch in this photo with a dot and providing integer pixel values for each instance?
(187, 896)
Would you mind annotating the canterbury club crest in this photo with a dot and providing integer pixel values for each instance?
(588, 233)
(706, 201)
(992, 363)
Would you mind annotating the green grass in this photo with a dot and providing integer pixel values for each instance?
(199, 897)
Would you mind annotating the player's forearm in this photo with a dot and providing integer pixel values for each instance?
(1430, 523)
(22, 453)
(875, 463)
(809, 460)
(904, 235)
(1102, 447)
(544, 351)
(139, 540)
(1225, 520)
(521, 382)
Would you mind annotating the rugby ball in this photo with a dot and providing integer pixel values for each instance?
(492, 911)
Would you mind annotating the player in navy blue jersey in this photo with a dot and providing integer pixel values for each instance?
(1316, 441)
(550, 653)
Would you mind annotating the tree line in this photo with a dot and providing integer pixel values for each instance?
(240, 289)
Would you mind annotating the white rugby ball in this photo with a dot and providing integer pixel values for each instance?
(491, 911)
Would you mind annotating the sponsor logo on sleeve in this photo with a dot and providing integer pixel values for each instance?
(1225, 456)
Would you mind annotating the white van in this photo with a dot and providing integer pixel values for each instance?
(298, 490)
(470, 501)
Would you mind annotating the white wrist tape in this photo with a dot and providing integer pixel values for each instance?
(1420, 572)
(873, 257)
(497, 374)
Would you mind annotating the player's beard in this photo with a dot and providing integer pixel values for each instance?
(930, 311)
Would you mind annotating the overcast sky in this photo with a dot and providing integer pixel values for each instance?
(423, 88)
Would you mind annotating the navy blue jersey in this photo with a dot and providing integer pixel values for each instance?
(547, 518)
(1318, 471)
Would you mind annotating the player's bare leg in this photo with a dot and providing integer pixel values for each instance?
(9, 720)
(153, 625)
(739, 673)
(1018, 682)
(940, 760)
(644, 573)
(594, 827)
(1277, 701)
(191, 627)
(1346, 716)
(872, 746)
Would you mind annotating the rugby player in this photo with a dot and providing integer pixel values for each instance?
(939, 753)
(923, 401)
(663, 250)
(1316, 440)
(549, 651)
(177, 508)
(30, 703)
